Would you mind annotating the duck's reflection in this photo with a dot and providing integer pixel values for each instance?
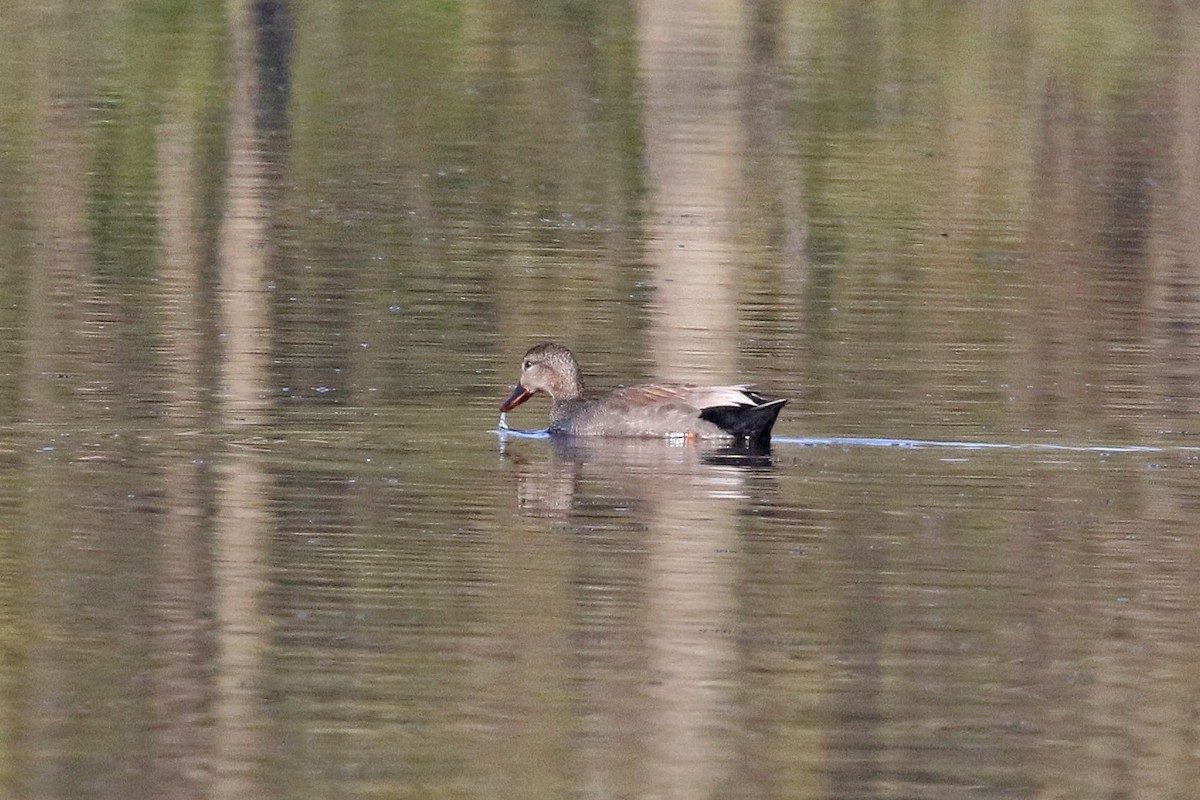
(551, 472)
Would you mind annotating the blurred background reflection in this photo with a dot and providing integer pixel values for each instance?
(266, 272)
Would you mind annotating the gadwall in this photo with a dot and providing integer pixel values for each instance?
(648, 409)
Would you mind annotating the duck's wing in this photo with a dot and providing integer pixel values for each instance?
(703, 397)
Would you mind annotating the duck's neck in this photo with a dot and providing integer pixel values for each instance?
(569, 388)
(566, 393)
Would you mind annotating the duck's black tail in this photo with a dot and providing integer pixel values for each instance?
(746, 422)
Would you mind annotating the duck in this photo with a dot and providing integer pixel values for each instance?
(667, 410)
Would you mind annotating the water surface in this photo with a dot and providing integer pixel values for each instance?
(267, 270)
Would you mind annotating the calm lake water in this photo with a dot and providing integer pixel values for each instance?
(267, 270)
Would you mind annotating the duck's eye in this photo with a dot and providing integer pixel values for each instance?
(527, 364)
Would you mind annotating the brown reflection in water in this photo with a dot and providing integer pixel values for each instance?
(242, 517)
(694, 145)
(690, 64)
(57, 288)
(245, 311)
(854, 741)
(774, 240)
(517, 681)
(658, 703)
(1163, 686)
(182, 688)
(1066, 310)
(690, 613)
(1174, 236)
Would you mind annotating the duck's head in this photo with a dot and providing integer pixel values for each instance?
(548, 368)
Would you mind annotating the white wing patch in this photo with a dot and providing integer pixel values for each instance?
(713, 396)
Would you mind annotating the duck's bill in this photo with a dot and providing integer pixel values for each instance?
(519, 395)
